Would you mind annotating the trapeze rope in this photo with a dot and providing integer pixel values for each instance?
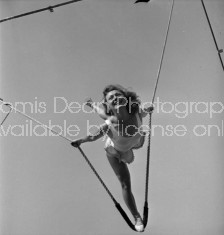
(213, 35)
(50, 8)
(38, 122)
(145, 213)
(60, 135)
(10, 109)
(163, 52)
(82, 153)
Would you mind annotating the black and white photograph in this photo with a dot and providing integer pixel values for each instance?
(112, 117)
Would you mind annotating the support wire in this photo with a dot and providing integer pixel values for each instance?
(50, 8)
(213, 35)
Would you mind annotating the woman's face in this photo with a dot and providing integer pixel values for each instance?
(115, 99)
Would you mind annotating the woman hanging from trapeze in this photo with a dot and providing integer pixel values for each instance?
(123, 127)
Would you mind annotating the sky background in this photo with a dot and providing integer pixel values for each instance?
(46, 188)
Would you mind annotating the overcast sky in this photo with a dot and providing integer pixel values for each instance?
(53, 61)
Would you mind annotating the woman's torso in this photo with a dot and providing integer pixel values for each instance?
(126, 134)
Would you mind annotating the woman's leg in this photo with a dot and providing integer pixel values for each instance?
(122, 173)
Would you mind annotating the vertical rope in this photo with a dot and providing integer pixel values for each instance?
(148, 157)
(163, 52)
(145, 216)
(145, 212)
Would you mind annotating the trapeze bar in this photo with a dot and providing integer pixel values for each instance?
(50, 8)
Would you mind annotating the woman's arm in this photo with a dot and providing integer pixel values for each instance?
(96, 108)
(103, 129)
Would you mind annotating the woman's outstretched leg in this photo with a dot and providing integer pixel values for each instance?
(122, 173)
